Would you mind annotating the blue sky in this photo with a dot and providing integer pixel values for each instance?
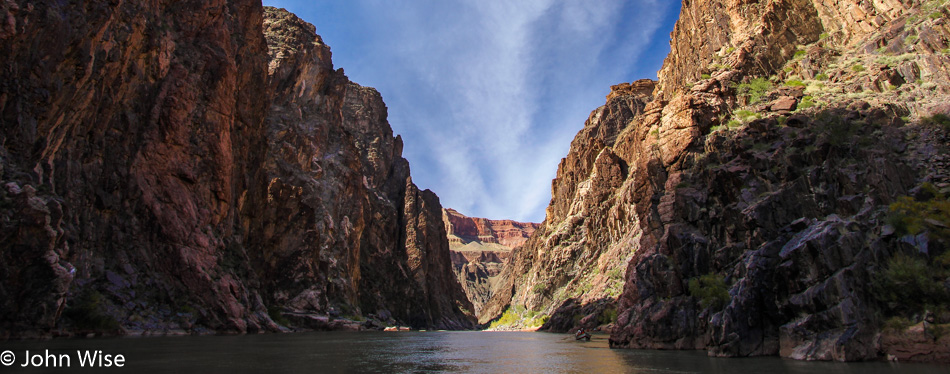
(488, 94)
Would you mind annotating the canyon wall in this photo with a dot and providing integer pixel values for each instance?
(166, 167)
(480, 249)
(761, 198)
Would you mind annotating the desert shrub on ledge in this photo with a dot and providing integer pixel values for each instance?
(755, 89)
(711, 290)
(930, 213)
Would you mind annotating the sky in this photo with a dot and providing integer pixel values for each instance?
(488, 94)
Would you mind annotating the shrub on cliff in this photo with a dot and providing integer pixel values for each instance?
(711, 290)
(86, 313)
(909, 284)
(755, 89)
(929, 212)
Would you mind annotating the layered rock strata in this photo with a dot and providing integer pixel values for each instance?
(480, 248)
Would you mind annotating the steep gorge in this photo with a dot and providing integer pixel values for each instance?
(750, 201)
(201, 167)
(480, 250)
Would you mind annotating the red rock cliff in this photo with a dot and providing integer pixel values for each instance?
(505, 232)
(165, 167)
(745, 199)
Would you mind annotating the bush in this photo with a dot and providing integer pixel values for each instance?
(705, 76)
(799, 54)
(538, 288)
(755, 89)
(908, 284)
(938, 119)
(897, 324)
(537, 321)
(275, 315)
(910, 216)
(857, 68)
(711, 290)
(608, 316)
(616, 273)
(746, 115)
(821, 77)
(508, 318)
(795, 83)
(807, 102)
(86, 313)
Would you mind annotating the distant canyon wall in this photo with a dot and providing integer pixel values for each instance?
(480, 250)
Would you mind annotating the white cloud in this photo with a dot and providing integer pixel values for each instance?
(488, 94)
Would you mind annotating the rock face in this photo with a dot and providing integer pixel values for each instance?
(463, 230)
(159, 174)
(480, 248)
(765, 234)
(343, 229)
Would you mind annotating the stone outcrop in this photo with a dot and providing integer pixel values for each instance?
(166, 167)
(480, 247)
(744, 223)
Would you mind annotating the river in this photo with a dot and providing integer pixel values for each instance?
(394, 352)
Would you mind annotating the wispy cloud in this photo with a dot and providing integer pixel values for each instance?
(489, 94)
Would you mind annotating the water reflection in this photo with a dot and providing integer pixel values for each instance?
(476, 352)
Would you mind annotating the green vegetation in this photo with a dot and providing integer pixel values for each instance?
(799, 54)
(857, 68)
(897, 324)
(823, 36)
(538, 288)
(517, 315)
(911, 39)
(615, 274)
(938, 119)
(745, 116)
(821, 77)
(86, 313)
(755, 89)
(911, 216)
(795, 83)
(806, 102)
(909, 284)
(717, 67)
(730, 50)
(535, 320)
(705, 76)
(274, 312)
(609, 315)
(835, 129)
(893, 61)
(508, 318)
(711, 290)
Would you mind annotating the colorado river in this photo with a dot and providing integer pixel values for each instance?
(477, 352)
